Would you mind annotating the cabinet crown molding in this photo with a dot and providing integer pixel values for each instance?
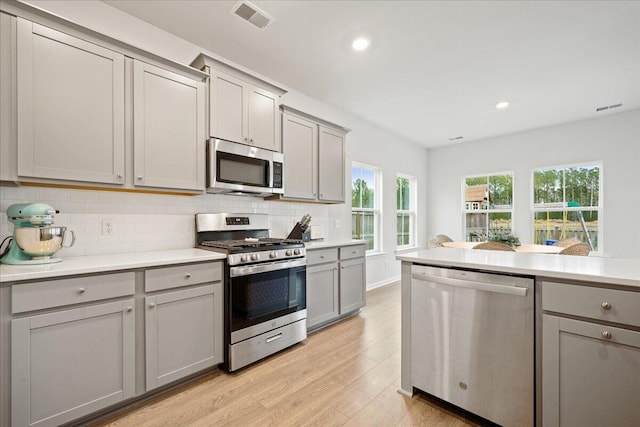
(291, 110)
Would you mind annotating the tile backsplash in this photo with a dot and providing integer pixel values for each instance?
(147, 222)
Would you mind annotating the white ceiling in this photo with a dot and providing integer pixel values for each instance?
(436, 68)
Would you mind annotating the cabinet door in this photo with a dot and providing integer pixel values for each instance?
(183, 333)
(70, 107)
(228, 108)
(589, 380)
(264, 112)
(70, 363)
(331, 165)
(8, 147)
(300, 147)
(322, 294)
(352, 285)
(169, 129)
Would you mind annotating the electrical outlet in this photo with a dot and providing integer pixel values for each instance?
(107, 227)
(337, 223)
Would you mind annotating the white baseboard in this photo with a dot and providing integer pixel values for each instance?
(382, 283)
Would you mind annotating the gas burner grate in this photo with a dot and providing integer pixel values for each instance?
(250, 243)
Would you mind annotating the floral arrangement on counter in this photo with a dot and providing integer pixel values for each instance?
(507, 239)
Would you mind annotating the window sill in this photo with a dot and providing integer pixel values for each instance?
(375, 253)
(408, 249)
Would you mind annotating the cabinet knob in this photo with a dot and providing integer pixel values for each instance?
(605, 306)
(129, 309)
(152, 305)
(606, 334)
(245, 139)
(119, 175)
(187, 275)
(250, 139)
(81, 290)
(321, 195)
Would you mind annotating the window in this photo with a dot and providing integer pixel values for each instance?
(365, 204)
(567, 203)
(488, 206)
(406, 207)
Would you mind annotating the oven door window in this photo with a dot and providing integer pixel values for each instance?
(259, 297)
(242, 170)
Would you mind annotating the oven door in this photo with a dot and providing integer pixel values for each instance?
(263, 292)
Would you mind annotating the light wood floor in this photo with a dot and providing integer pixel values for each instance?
(344, 375)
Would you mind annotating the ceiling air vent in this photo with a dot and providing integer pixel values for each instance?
(456, 138)
(251, 14)
(608, 107)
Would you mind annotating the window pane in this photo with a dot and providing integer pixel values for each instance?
(501, 191)
(403, 223)
(547, 186)
(582, 185)
(499, 224)
(363, 187)
(403, 194)
(476, 227)
(563, 225)
(363, 226)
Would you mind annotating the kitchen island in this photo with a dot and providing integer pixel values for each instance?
(586, 336)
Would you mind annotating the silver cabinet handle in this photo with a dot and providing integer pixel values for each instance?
(187, 275)
(140, 177)
(322, 256)
(119, 175)
(605, 306)
(606, 335)
(81, 290)
(129, 309)
(152, 305)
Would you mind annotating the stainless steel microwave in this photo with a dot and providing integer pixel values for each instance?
(234, 168)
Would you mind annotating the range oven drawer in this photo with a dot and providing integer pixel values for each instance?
(263, 345)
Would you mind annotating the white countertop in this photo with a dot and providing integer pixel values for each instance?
(320, 244)
(104, 263)
(587, 268)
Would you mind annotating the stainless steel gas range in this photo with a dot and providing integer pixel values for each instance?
(265, 285)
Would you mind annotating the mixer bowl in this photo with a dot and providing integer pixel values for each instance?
(39, 242)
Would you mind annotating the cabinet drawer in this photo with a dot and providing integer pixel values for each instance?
(321, 256)
(56, 293)
(609, 305)
(352, 252)
(182, 275)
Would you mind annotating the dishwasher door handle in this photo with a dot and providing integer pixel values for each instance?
(469, 284)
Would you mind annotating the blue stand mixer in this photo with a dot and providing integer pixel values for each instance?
(35, 240)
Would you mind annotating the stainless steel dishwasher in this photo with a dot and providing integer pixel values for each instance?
(472, 341)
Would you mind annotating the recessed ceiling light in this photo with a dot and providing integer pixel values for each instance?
(502, 105)
(360, 43)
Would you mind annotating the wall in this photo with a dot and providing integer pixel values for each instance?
(613, 139)
(153, 222)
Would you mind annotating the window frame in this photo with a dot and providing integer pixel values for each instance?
(466, 211)
(599, 209)
(412, 212)
(377, 205)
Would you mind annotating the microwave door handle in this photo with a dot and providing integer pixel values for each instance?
(270, 174)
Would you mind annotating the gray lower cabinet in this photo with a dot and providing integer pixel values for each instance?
(323, 294)
(590, 368)
(70, 363)
(183, 333)
(336, 283)
(352, 284)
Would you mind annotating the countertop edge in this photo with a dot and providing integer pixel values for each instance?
(568, 270)
(94, 264)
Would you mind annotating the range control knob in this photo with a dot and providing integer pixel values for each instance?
(288, 252)
(273, 254)
(296, 251)
(255, 257)
(243, 258)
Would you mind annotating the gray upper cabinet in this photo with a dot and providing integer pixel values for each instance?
(314, 153)
(300, 148)
(331, 153)
(70, 107)
(169, 129)
(242, 112)
(242, 108)
(8, 145)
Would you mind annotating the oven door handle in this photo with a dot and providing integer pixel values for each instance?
(263, 268)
